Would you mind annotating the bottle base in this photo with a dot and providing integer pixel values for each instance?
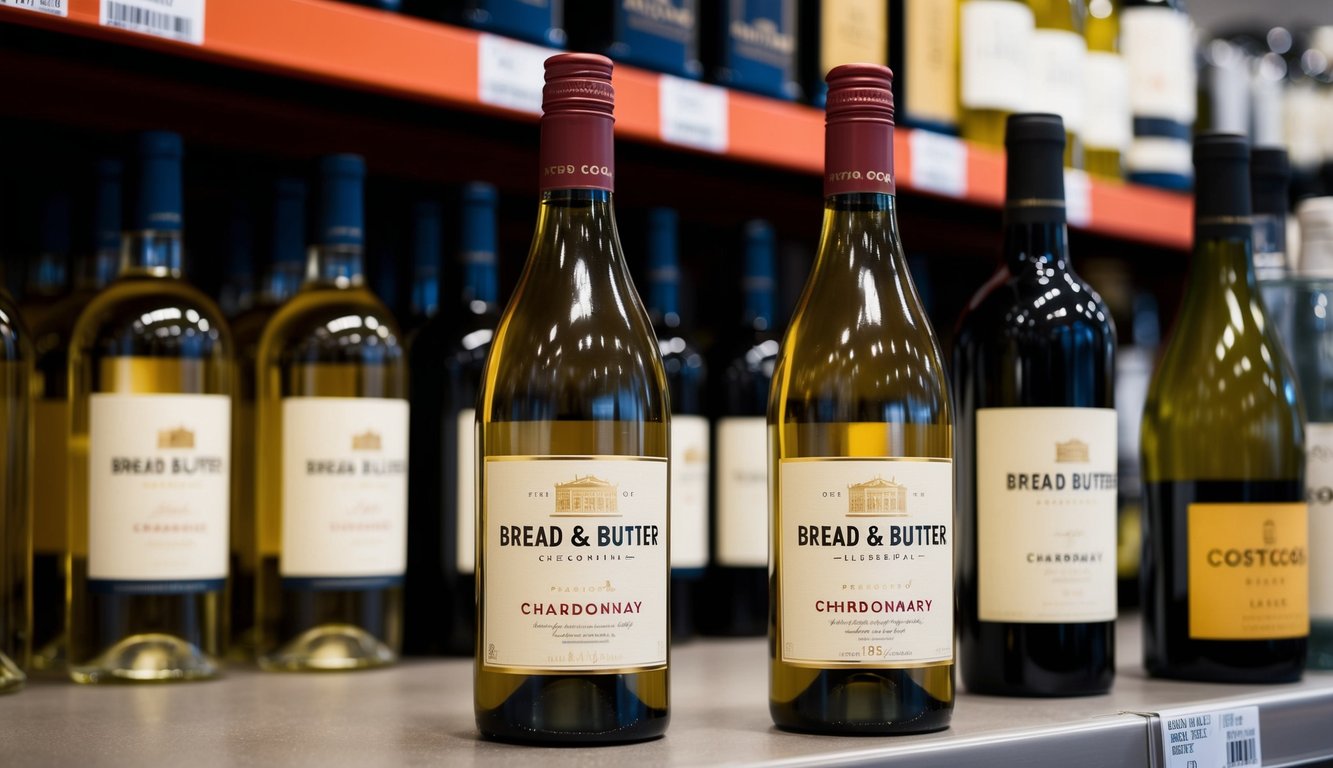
(868, 703)
(11, 677)
(574, 710)
(147, 658)
(329, 648)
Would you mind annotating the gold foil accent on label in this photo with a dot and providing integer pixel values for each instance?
(1035, 202)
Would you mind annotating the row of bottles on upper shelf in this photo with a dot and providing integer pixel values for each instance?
(272, 453)
(1122, 73)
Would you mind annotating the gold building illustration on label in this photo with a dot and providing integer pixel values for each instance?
(1073, 451)
(178, 438)
(586, 496)
(877, 498)
(367, 441)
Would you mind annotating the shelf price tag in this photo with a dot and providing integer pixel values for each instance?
(53, 7)
(511, 74)
(938, 163)
(692, 114)
(1078, 197)
(1203, 739)
(181, 20)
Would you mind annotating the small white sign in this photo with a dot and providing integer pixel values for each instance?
(939, 163)
(1078, 197)
(181, 20)
(1225, 738)
(53, 7)
(693, 114)
(511, 74)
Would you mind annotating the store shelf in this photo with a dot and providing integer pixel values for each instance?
(421, 713)
(359, 48)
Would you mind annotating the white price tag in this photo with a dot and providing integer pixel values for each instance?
(1078, 197)
(1225, 738)
(693, 114)
(181, 20)
(53, 7)
(939, 163)
(511, 74)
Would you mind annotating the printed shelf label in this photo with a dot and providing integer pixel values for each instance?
(53, 7)
(511, 74)
(693, 114)
(180, 20)
(938, 163)
(1197, 739)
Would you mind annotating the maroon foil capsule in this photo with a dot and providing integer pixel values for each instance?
(577, 148)
(858, 133)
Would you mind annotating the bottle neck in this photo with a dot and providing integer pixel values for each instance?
(1036, 241)
(425, 290)
(1270, 246)
(281, 280)
(856, 227)
(153, 253)
(582, 216)
(481, 283)
(335, 265)
(759, 301)
(92, 273)
(664, 300)
(1221, 269)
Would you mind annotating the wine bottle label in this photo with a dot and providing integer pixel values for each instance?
(344, 492)
(994, 36)
(853, 30)
(50, 475)
(466, 488)
(1319, 480)
(158, 485)
(1249, 575)
(575, 569)
(742, 492)
(930, 64)
(1107, 123)
(1046, 515)
(689, 493)
(1159, 51)
(1056, 61)
(867, 562)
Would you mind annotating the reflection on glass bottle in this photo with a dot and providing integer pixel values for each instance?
(16, 375)
(331, 477)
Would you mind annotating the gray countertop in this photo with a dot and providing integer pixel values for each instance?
(420, 713)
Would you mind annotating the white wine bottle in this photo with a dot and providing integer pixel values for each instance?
(861, 451)
(331, 491)
(1057, 60)
(994, 40)
(573, 447)
(150, 377)
(16, 375)
(1225, 568)
(1107, 124)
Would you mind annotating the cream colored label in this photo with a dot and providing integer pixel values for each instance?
(1046, 514)
(866, 550)
(1107, 123)
(995, 37)
(1056, 59)
(158, 487)
(1249, 575)
(689, 492)
(467, 491)
(1319, 481)
(742, 492)
(51, 475)
(1158, 47)
(931, 61)
(575, 568)
(344, 487)
(853, 30)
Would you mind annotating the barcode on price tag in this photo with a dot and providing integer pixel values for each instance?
(693, 114)
(511, 74)
(1227, 737)
(181, 20)
(53, 7)
(939, 163)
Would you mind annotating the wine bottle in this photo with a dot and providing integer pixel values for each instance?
(1034, 372)
(427, 242)
(686, 376)
(834, 32)
(1057, 62)
(16, 376)
(446, 359)
(662, 35)
(861, 444)
(751, 45)
(994, 40)
(734, 598)
(150, 378)
(47, 280)
(331, 478)
(536, 21)
(1309, 337)
(1155, 39)
(282, 277)
(1107, 125)
(573, 448)
(94, 267)
(923, 51)
(1225, 569)
(237, 293)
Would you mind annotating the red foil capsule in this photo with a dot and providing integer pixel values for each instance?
(577, 149)
(858, 134)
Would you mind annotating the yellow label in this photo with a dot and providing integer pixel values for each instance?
(1249, 572)
(50, 497)
(930, 61)
(853, 31)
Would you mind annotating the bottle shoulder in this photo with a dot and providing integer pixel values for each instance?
(325, 324)
(1033, 305)
(15, 339)
(153, 316)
